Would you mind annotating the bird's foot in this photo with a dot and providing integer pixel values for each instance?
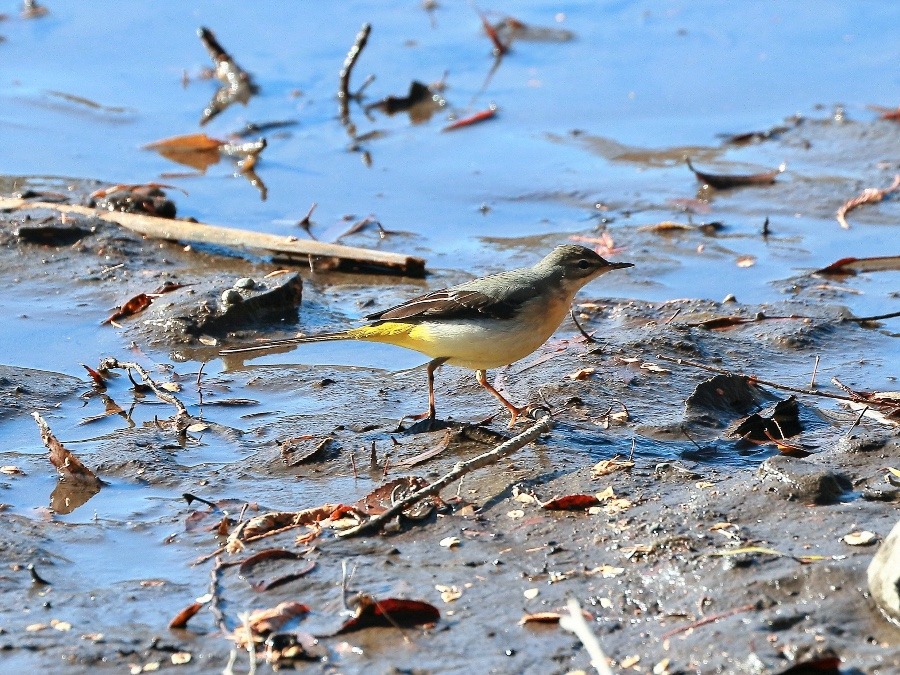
(526, 412)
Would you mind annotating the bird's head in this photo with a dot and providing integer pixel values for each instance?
(577, 265)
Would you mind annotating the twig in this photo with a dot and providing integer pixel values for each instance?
(672, 318)
(866, 319)
(709, 619)
(858, 419)
(812, 382)
(574, 622)
(215, 603)
(756, 380)
(459, 470)
(587, 336)
(182, 416)
(344, 94)
(362, 37)
(688, 436)
(199, 387)
(306, 223)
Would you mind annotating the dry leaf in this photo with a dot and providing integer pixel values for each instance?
(608, 466)
(863, 538)
(606, 571)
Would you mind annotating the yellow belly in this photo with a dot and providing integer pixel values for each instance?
(478, 344)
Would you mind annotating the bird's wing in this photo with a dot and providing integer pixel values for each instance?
(452, 303)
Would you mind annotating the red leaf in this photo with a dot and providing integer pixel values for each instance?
(390, 612)
(472, 119)
(571, 503)
(137, 304)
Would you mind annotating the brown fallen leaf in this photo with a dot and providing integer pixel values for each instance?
(99, 380)
(571, 503)
(389, 612)
(885, 113)
(263, 559)
(181, 619)
(134, 306)
(728, 181)
(867, 196)
(68, 466)
(852, 266)
(197, 151)
(274, 521)
(198, 142)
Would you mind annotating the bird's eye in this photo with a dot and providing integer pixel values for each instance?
(583, 264)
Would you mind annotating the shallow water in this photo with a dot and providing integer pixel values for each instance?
(590, 136)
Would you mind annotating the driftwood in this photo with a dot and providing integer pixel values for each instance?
(347, 257)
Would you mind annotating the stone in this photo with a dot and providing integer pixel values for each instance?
(884, 576)
(796, 479)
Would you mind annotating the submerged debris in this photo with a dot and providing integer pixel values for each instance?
(237, 85)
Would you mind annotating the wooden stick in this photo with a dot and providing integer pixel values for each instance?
(181, 230)
(461, 469)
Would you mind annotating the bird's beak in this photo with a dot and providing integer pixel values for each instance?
(619, 265)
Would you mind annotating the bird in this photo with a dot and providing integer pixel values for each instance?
(481, 324)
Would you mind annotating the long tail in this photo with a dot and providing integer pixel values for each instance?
(275, 344)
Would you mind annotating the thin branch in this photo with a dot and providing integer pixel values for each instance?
(461, 469)
(182, 417)
(587, 336)
(866, 319)
(756, 380)
(709, 619)
(574, 622)
(362, 37)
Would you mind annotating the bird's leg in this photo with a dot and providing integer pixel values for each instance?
(432, 411)
(514, 411)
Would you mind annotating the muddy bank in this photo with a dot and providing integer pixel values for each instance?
(661, 552)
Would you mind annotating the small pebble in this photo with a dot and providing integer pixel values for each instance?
(232, 297)
(245, 282)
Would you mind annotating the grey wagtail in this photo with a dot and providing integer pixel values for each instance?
(481, 324)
